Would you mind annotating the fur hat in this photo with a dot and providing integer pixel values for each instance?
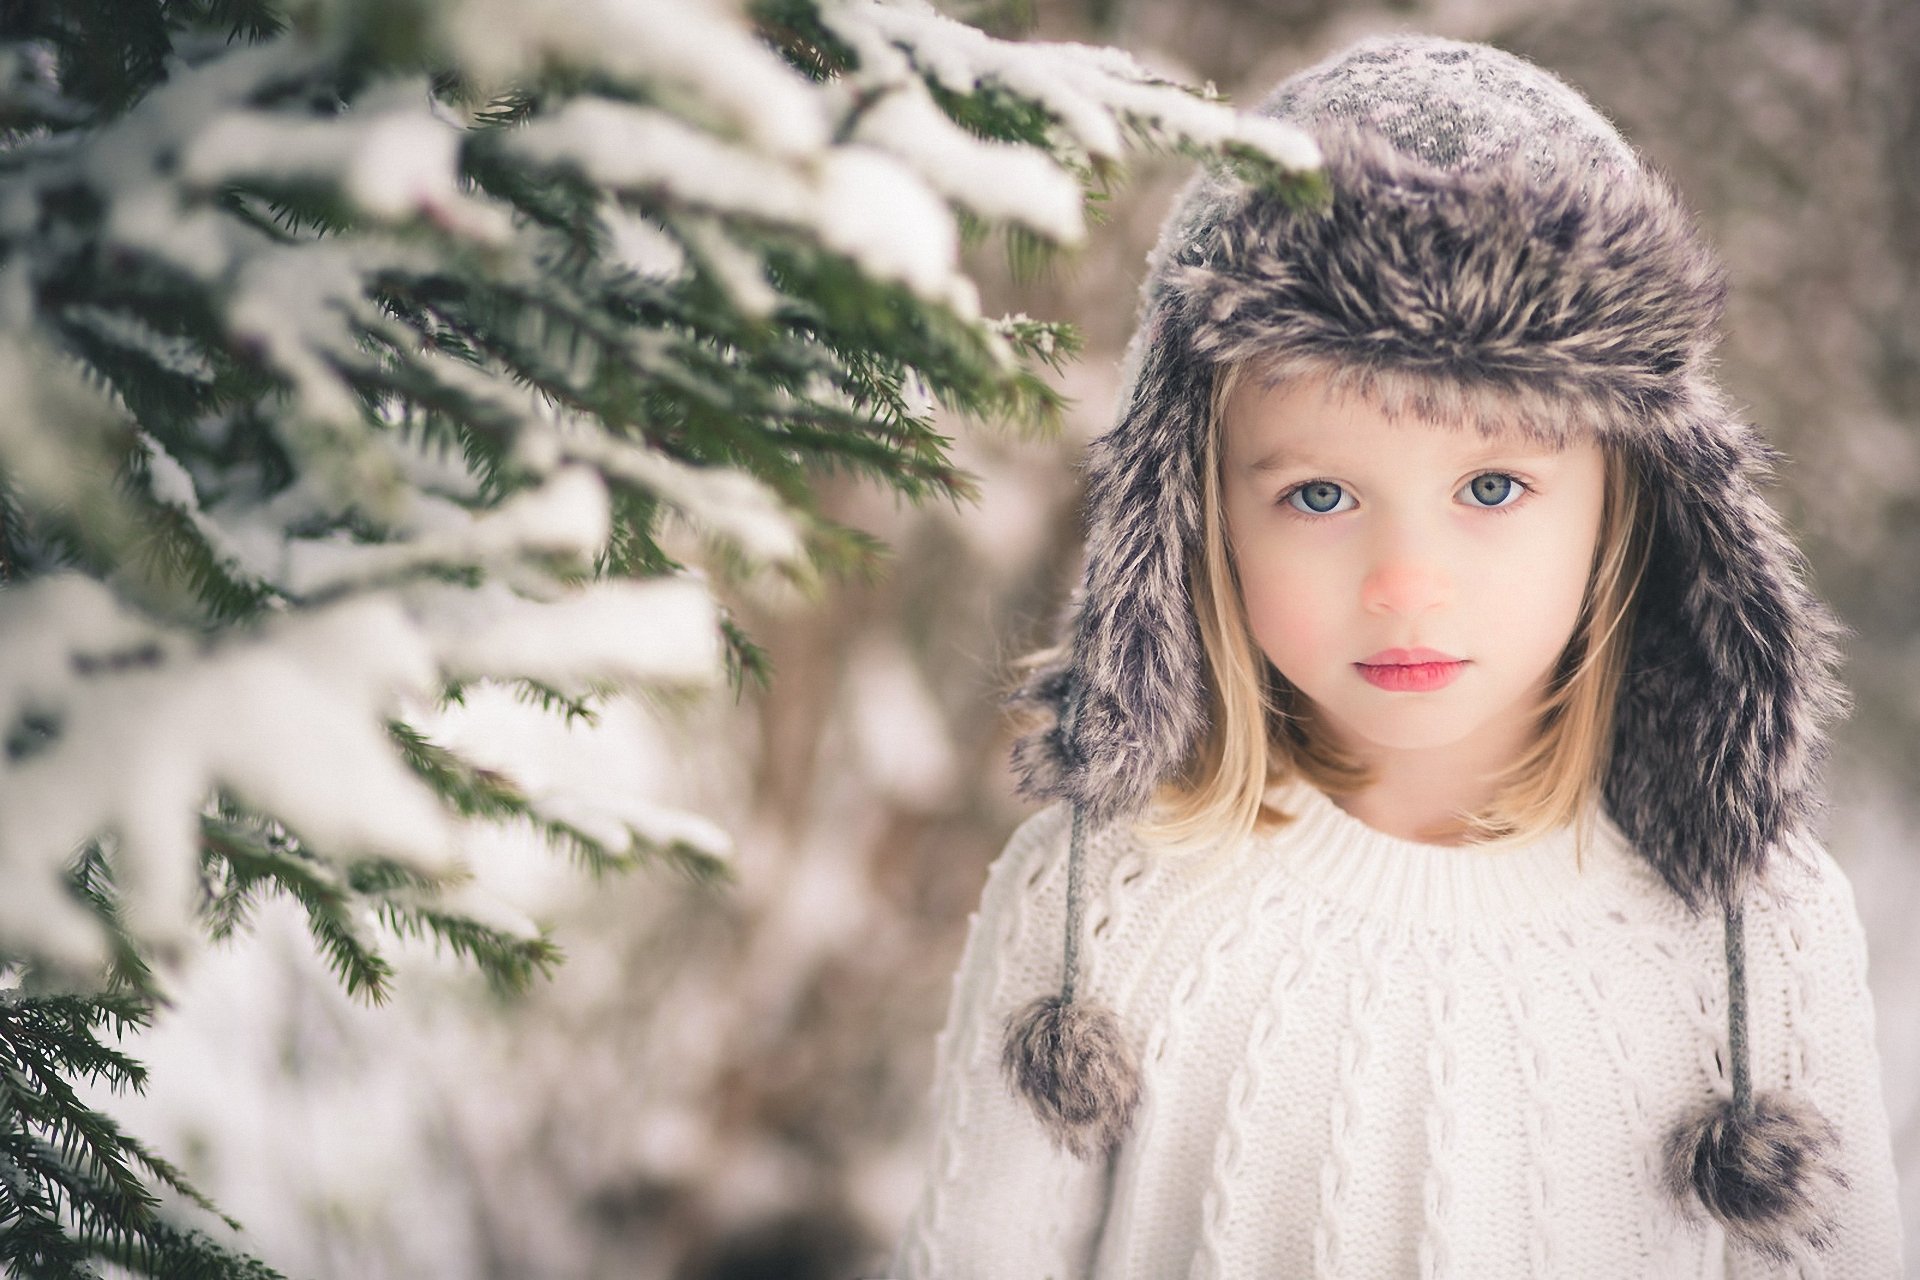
(1493, 252)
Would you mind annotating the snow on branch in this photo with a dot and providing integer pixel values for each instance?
(1092, 94)
(662, 632)
(700, 54)
(361, 357)
(857, 202)
(731, 504)
(136, 739)
(357, 358)
(395, 158)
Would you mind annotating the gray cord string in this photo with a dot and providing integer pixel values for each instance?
(1070, 751)
(1737, 1007)
(1073, 906)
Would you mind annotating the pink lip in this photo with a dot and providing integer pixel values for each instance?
(1410, 670)
(1406, 657)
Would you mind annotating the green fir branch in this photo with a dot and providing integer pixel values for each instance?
(510, 962)
(748, 663)
(168, 1252)
(794, 29)
(249, 858)
(73, 1185)
(478, 792)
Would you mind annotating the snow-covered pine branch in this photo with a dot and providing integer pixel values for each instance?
(354, 353)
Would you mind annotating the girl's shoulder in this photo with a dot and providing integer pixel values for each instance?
(1027, 883)
(1037, 846)
(1808, 893)
(1033, 862)
(1025, 891)
(1804, 880)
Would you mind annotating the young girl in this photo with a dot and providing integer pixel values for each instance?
(1431, 892)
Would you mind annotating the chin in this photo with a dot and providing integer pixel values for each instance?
(1409, 741)
(1410, 728)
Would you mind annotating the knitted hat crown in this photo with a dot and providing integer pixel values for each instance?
(1493, 252)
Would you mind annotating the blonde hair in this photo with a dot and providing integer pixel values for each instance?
(1261, 730)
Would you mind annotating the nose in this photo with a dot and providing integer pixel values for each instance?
(1406, 580)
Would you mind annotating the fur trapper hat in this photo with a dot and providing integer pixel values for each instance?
(1493, 252)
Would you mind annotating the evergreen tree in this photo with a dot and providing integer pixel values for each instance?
(357, 351)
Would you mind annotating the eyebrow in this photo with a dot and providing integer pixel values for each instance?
(1280, 459)
(1283, 459)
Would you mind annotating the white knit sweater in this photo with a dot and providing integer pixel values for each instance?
(1368, 1057)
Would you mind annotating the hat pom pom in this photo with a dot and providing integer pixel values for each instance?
(1768, 1173)
(1071, 1062)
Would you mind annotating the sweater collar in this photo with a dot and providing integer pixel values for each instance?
(1443, 886)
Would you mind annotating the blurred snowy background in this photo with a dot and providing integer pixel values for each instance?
(731, 1082)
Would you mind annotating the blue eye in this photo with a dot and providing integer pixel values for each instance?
(1493, 489)
(1318, 498)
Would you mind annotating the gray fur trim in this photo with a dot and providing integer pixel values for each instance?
(1561, 298)
(1136, 650)
(1770, 1176)
(1721, 719)
(1561, 305)
(1073, 1063)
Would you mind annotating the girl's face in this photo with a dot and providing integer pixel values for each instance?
(1362, 542)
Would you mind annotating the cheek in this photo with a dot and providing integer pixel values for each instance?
(1547, 589)
(1295, 635)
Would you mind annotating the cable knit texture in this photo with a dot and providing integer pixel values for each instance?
(1368, 1057)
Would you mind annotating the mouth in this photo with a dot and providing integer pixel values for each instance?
(1410, 670)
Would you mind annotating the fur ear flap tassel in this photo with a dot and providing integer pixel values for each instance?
(1767, 1173)
(1071, 1060)
(1072, 1063)
(1767, 1168)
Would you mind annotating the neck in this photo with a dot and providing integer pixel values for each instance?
(1422, 794)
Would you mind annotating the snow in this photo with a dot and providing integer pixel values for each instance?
(961, 58)
(659, 632)
(737, 268)
(857, 200)
(47, 624)
(995, 180)
(172, 485)
(44, 627)
(700, 48)
(1090, 91)
(1009, 325)
(251, 536)
(881, 214)
(289, 718)
(477, 903)
(294, 305)
(175, 355)
(393, 156)
(628, 147)
(271, 1085)
(130, 161)
(431, 464)
(641, 245)
(882, 196)
(593, 777)
(565, 517)
(730, 503)
(150, 221)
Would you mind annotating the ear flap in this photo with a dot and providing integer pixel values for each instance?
(1134, 657)
(1729, 680)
